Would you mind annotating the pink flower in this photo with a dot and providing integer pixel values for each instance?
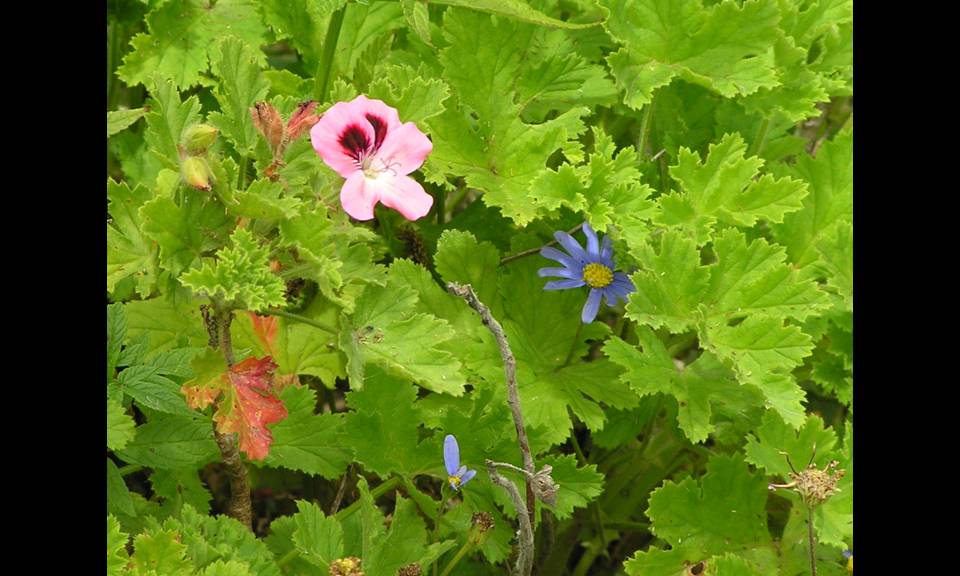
(364, 141)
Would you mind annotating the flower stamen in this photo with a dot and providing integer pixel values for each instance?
(597, 275)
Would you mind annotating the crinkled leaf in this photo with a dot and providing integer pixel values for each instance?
(309, 442)
(160, 552)
(187, 231)
(129, 252)
(116, 547)
(265, 199)
(241, 275)
(836, 254)
(726, 47)
(515, 9)
(178, 45)
(180, 487)
(412, 92)
(118, 120)
(766, 446)
(227, 568)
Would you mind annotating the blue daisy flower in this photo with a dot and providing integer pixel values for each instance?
(457, 475)
(593, 267)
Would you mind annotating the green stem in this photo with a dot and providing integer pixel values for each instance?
(130, 469)
(629, 525)
(812, 541)
(303, 320)
(375, 492)
(576, 337)
(322, 81)
(757, 145)
(244, 167)
(464, 550)
(530, 251)
(586, 561)
(441, 204)
(287, 558)
(646, 123)
(436, 525)
(576, 444)
(457, 199)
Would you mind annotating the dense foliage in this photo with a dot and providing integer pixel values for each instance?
(281, 377)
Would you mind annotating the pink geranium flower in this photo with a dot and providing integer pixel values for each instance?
(365, 142)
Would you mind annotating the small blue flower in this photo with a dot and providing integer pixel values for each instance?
(457, 475)
(591, 267)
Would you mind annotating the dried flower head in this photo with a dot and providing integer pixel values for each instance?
(349, 566)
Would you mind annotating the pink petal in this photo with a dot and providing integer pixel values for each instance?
(403, 150)
(403, 194)
(358, 197)
(335, 135)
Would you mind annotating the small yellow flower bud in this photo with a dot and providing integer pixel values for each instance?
(198, 138)
(195, 172)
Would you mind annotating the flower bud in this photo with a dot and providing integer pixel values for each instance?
(349, 566)
(481, 523)
(302, 120)
(410, 570)
(198, 138)
(267, 120)
(195, 172)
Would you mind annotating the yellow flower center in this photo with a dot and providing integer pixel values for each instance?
(455, 480)
(597, 275)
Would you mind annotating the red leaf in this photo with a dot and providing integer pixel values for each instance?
(265, 327)
(250, 406)
(200, 396)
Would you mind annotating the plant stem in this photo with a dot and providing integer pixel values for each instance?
(340, 491)
(464, 550)
(322, 81)
(457, 199)
(646, 123)
(525, 558)
(287, 558)
(757, 145)
(244, 166)
(530, 251)
(303, 320)
(513, 398)
(812, 541)
(376, 492)
(441, 506)
(441, 205)
(130, 469)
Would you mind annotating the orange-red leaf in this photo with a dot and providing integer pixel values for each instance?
(250, 405)
(200, 396)
(265, 327)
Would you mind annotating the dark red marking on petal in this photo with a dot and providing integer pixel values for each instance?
(354, 142)
(379, 130)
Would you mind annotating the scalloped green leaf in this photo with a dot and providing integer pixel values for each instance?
(309, 442)
(241, 275)
(120, 426)
(129, 251)
(241, 84)
(578, 485)
(117, 556)
(172, 442)
(317, 537)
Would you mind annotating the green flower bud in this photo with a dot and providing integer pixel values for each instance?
(195, 172)
(198, 138)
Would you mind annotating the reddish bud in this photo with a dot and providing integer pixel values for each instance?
(268, 122)
(302, 120)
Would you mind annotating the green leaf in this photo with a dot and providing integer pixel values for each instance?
(166, 323)
(166, 121)
(241, 84)
(129, 252)
(116, 335)
(385, 331)
(264, 199)
(311, 443)
(696, 387)
(382, 428)
(724, 510)
(118, 495)
(318, 538)
(116, 547)
(241, 275)
(185, 232)
(303, 22)
(763, 351)
(403, 544)
(151, 388)
(178, 45)
(120, 426)
(800, 89)
(118, 120)
(172, 442)
(412, 92)
(726, 187)
(578, 485)
(830, 181)
(497, 153)
(228, 568)
(514, 9)
(671, 285)
(836, 255)
(418, 18)
(460, 258)
(160, 552)
(726, 47)
(365, 33)
(180, 487)
(811, 444)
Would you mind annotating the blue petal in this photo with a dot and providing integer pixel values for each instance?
(572, 246)
(592, 306)
(563, 284)
(460, 471)
(558, 272)
(593, 245)
(554, 254)
(467, 477)
(606, 251)
(611, 294)
(451, 454)
(622, 280)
